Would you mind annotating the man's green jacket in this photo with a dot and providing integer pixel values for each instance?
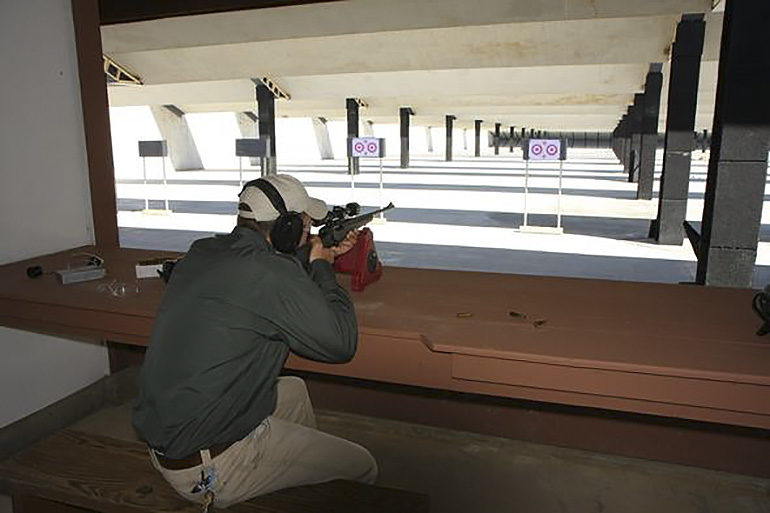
(233, 309)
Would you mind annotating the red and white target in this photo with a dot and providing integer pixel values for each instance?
(544, 149)
(367, 147)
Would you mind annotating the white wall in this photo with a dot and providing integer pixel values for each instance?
(44, 197)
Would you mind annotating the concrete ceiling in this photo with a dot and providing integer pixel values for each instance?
(549, 64)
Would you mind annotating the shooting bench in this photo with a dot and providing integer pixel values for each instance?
(76, 472)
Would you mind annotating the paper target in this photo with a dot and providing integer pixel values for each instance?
(544, 149)
(367, 147)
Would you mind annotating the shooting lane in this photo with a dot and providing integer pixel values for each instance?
(666, 372)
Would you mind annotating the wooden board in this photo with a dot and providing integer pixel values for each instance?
(98, 473)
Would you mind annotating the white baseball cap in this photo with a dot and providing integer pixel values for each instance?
(292, 192)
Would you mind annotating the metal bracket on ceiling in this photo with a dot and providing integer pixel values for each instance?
(409, 109)
(173, 109)
(278, 93)
(117, 74)
(362, 104)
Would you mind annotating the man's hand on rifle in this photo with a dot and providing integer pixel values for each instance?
(329, 254)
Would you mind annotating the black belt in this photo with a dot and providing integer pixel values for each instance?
(193, 460)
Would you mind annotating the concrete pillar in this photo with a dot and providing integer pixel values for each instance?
(635, 137)
(247, 127)
(477, 135)
(181, 146)
(680, 122)
(513, 138)
(497, 138)
(449, 126)
(368, 128)
(735, 187)
(429, 139)
(465, 139)
(351, 106)
(648, 142)
(625, 138)
(404, 113)
(266, 115)
(322, 139)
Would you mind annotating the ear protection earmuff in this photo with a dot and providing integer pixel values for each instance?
(287, 230)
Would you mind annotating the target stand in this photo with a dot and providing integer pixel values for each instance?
(154, 149)
(252, 148)
(543, 150)
(368, 148)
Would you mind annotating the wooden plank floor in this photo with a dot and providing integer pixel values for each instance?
(105, 474)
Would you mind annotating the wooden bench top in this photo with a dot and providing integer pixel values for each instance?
(108, 475)
(674, 350)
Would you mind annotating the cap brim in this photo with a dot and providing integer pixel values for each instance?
(316, 209)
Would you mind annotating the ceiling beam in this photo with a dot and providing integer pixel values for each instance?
(118, 11)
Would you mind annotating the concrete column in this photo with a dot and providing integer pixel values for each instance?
(429, 139)
(247, 127)
(513, 138)
(625, 138)
(497, 138)
(322, 139)
(477, 135)
(680, 122)
(465, 139)
(620, 139)
(449, 126)
(404, 113)
(181, 145)
(649, 133)
(351, 106)
(635, 137)
(735, 187)
(266, 115)
(368, 128)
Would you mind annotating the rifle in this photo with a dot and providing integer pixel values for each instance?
(337, 228)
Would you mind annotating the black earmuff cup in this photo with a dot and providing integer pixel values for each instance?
(287, 232)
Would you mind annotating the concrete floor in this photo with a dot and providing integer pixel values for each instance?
(461, 215)
(465, 472)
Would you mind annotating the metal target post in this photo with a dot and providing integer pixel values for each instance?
(382, 214)
(558, 199)
(543, 150)
(370, 147)
(252, 148)
(526, 188)
(165, 184)
(154, 149)
(240, 172)
(146, 193)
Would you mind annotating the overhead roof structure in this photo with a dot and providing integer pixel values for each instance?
(548, 64)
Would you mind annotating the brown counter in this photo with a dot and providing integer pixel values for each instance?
(672, 350)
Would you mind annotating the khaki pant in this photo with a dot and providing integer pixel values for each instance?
(285, 450)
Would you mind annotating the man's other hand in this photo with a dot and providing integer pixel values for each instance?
(329, 254)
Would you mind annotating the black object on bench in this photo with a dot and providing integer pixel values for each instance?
(76, 472)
